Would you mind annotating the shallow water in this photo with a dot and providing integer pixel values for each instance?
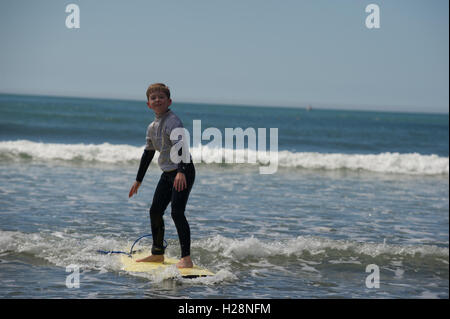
(318, 244)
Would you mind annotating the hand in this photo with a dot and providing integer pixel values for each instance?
(134, 188)
(180, 182)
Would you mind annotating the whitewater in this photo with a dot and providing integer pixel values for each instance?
(414, 163)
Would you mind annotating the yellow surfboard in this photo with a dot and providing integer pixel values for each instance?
(130, 264)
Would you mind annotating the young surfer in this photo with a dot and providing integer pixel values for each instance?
(175, 182)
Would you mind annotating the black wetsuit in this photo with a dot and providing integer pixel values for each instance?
(165, 193)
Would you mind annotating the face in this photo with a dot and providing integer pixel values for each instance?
(159, 102)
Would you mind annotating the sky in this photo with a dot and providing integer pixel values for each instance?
(253, 52)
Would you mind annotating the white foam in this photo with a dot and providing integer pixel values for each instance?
(413, 164)
(385, 162)
(170, 272)
(252, 247)
(104, 153)
(62, 249)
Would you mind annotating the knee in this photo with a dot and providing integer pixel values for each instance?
(177, 212)
(178, 206)
(155, 211)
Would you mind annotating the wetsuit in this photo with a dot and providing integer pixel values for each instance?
(158, 139)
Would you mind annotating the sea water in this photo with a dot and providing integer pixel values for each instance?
(353, 189)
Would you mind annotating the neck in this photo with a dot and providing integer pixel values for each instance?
(162, 114)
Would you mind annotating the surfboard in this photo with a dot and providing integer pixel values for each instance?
(130, 264)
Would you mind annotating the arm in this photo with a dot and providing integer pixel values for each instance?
(180, 179)
(181, 165)
(146, 159)
(177, 139)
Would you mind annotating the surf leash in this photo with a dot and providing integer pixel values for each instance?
(109, 252)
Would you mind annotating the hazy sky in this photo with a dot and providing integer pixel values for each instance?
(280, 53)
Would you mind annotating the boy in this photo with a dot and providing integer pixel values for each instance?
(176, 180)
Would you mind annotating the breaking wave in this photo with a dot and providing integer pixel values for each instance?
(62, 249)
(412, 163)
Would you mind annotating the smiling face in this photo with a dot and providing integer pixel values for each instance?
(159, 102)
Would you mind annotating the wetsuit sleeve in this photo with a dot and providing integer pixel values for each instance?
(146, 159)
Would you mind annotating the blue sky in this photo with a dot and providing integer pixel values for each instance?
(278, 53)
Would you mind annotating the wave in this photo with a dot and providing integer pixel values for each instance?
(61, 248)
(240, 249)
(103, 153)
(412, 163)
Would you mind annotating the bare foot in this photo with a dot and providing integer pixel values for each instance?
(152, 259)
(185, 262)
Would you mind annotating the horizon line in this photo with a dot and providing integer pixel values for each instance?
(321, 106)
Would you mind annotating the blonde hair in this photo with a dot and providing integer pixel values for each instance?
(158, 87)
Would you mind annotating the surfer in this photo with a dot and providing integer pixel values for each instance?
(175, 182)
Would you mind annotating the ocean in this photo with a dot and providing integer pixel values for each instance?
(357, 208)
